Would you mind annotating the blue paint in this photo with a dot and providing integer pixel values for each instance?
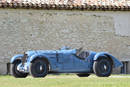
(18, 56)
(116, 62)
(65, 60)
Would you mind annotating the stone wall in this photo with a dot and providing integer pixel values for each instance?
(29, 29)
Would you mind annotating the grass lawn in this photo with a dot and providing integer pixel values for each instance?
(66, 81)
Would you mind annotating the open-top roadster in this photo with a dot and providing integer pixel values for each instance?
(41, 62)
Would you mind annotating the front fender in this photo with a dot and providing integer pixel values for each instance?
(116, 62)
(37, 56)
(18, 56)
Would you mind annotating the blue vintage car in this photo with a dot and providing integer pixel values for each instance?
(39, 63)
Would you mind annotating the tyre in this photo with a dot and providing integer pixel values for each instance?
(39, 68)
(15, 72)
(102, 67)
(83, 75)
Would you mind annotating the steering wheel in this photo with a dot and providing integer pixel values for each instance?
(79, 50)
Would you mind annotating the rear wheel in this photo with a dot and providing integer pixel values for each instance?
(102, 67)
(39, 68)
(83, 75)
(15, 72)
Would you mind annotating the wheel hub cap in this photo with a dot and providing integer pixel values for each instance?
(105, 67)
(41, 68)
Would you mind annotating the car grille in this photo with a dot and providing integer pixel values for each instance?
(24, 58)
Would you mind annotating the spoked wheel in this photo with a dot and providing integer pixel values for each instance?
(39, 68)
(15, 72)
(83, 75)
(102, 67)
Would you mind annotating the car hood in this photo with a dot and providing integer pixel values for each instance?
(30, 53)
(49, 52)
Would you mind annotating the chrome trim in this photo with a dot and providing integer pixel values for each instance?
(24, 58)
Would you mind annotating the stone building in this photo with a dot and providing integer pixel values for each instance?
(98, 25)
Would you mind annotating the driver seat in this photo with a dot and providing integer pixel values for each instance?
(82, 54)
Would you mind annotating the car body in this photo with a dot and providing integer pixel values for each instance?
(65, 60)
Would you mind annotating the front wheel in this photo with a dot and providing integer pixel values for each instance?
(15, 72)
(102, 67)
(39, 68)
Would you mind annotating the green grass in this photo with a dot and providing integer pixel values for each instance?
(66, 81)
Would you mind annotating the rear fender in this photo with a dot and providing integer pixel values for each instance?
(115, 61)
(19, 56)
